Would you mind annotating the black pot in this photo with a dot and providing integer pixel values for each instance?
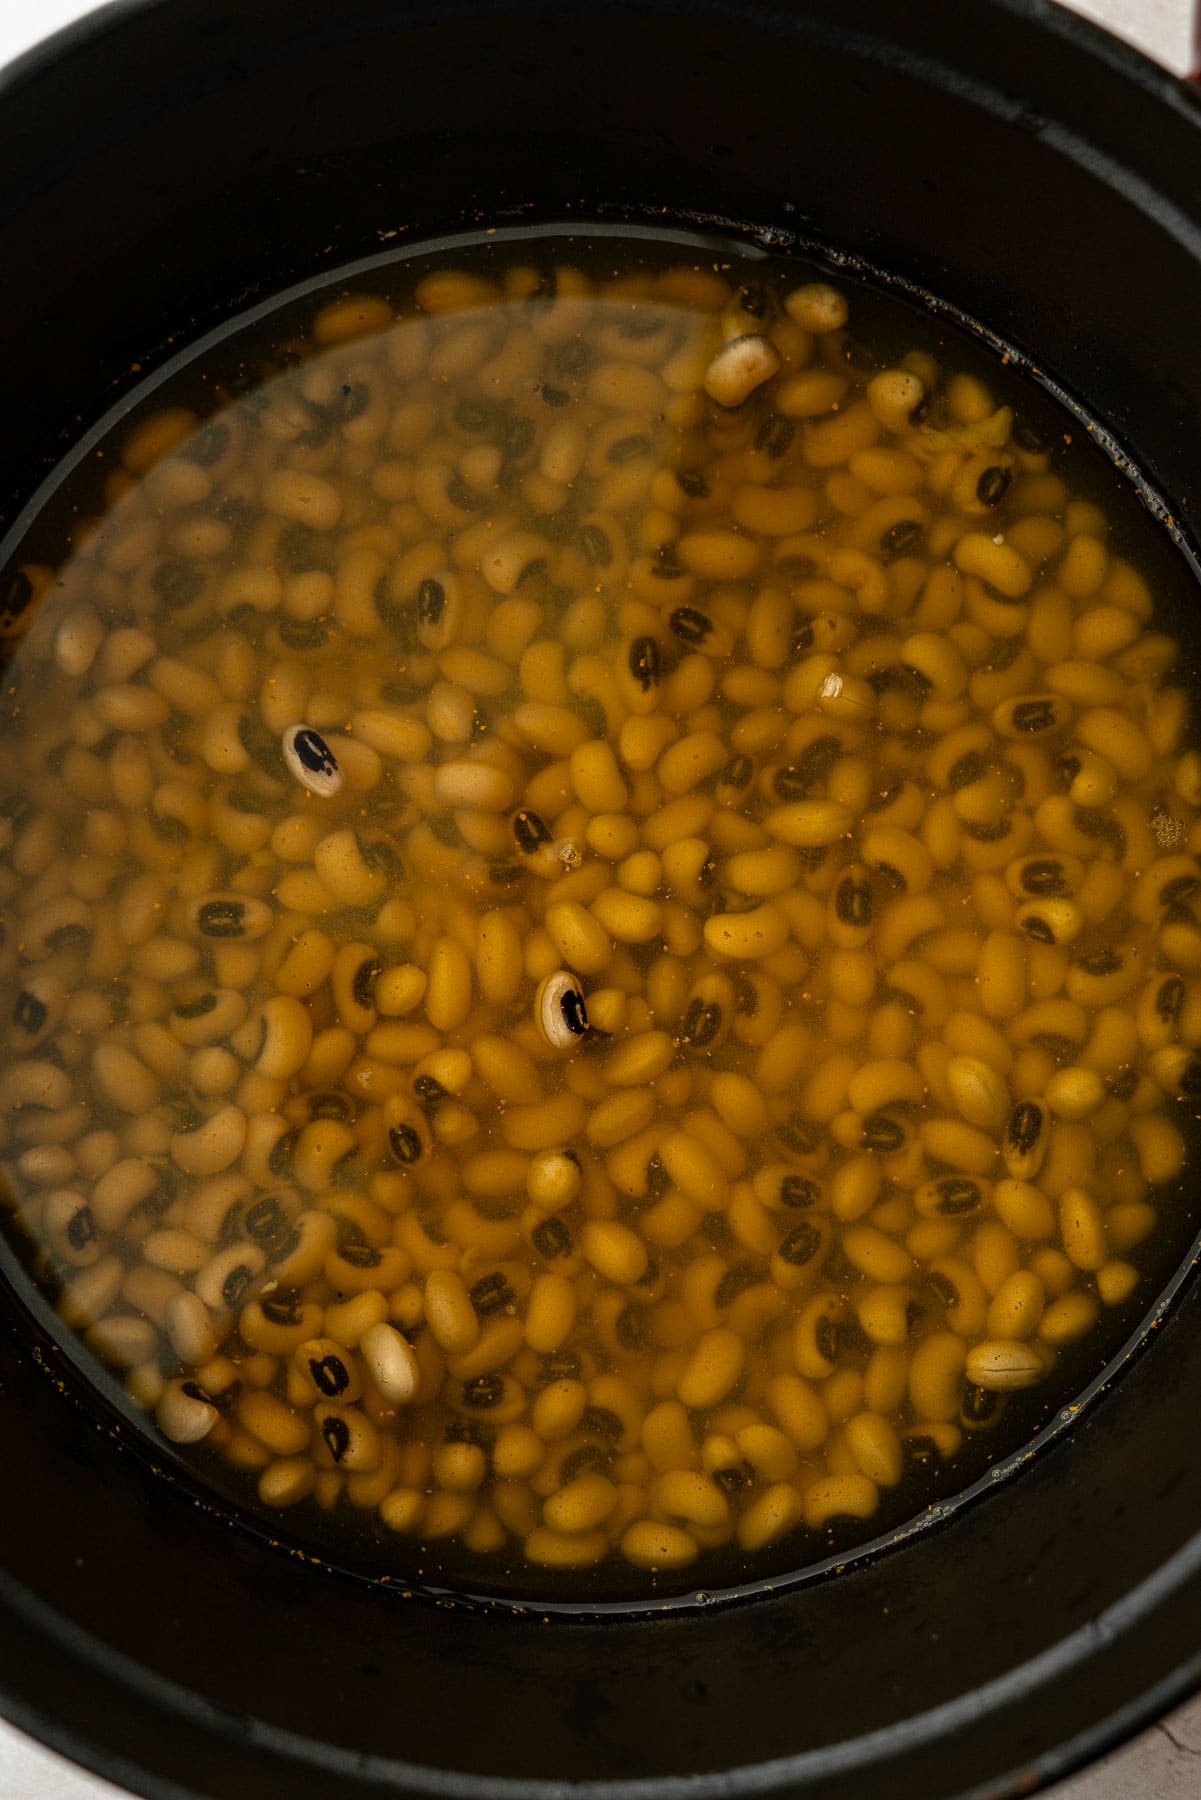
(165, 162)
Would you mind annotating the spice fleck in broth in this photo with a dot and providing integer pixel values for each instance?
(599, 878)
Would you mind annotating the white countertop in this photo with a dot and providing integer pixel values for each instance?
(1165, 1762)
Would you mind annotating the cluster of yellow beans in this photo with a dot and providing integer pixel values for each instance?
(712, 1035)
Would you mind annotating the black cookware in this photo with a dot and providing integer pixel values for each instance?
(167, 161)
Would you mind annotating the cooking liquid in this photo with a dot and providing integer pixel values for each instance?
(600, 978)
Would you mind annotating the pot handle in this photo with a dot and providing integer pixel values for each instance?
(1167, 30)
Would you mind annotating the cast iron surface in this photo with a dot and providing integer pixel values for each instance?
(173, 159)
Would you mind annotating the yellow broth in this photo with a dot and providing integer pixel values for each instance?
(599, 877)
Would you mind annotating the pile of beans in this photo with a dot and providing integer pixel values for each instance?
(600, 898)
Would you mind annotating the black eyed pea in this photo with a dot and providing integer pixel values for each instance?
(578, 937)
(560, 1010)
(1082, 1229)
(122, 1340)
(1055, 920)
(447, 1515)
(739, 367)
(210, 1015)
(1003, 1366)
(931, 1441)
(839, 1496)
(746, 936)
(779, 1185)
(185, 1412)
(713, 1369)
(980, 1409)
(776, 1511)
(851, 908)
(121, 1077)
(815, 1336)
(979, 1091)
(691, 1496)
(875, 1254)
(406, 1129)
(189, 1328)
(1027, 1136)
(515, 559)
(615, 1251)
(344, 1438)
(1042, 875)
(300, 1258)
(937, 662)
(311, 761)
(798, 1254)
(390, 1363)
(286, 1481)
(69, 1225)
(550, 1313)
(809, 824)
(653, 1546)
(888, 1312)
(230, 916)
(707, 1015)
(935, 1374)
(1175, 1068)
(627, 917)
(961, 1292)
(352, 976)
(552, 1180)
(639, 672)
(1160, 1006)
(1093, 781)
(562, 1550)
(558, 1409)
(229, 1279)
(439, 610)
(1075, 1092)
(873, 1443)
(287, 1037)
(349, 869)
(951, 1197)
(998, 565)
(38, 1008)
(1159, 1145)
(1104, 976)
(769, 1451)
(1170, 881)
(1118, 738)
(581, 1506)
(449, 1313)
(1017, 1306)
(1066, 1318)
(145, 1383)
(273, 1423)
(443, 1071)
(458, 1467)
(473, 785)
(43, 1167)
(1031, 716)
(213, 1145)
(498, 1396)
(817, 307)
(1116, 1281)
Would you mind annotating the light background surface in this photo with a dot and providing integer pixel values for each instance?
(1163, 1764)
